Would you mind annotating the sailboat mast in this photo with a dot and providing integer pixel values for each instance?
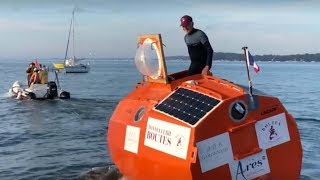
(71, 22)
(73, 35)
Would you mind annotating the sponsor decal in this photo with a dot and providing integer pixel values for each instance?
(131, 142)
(167, 137)
(250, 167)
(270, 110)
(179, 139)
(214, 152)
(272, 131)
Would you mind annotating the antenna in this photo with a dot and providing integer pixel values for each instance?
(245, 49)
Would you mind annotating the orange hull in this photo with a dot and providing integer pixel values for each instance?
(147, 162)
(180, 127)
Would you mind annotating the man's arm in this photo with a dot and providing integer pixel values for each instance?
(205, 41)
(209, 49)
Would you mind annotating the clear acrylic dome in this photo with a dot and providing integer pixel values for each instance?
(147, 60)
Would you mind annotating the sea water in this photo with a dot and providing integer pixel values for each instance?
(60, 139)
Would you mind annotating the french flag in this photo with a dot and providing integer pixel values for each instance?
(252, 63)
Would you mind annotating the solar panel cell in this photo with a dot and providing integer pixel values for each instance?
(187, 105)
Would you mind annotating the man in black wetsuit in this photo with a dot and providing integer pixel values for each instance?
(199, 48)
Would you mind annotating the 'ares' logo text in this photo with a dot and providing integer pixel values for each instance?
(249, 168)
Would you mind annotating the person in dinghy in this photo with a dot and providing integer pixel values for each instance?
(29, 72)
(35, 79)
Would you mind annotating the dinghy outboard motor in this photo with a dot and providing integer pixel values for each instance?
(52, 91)
(64, 95)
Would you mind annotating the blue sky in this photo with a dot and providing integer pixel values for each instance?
(105, 28)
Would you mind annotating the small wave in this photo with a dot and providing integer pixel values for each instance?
(304, 177)
(7, 94)
(95, 100)
(307, 119)
(12, 139)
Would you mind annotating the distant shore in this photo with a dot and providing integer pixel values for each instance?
(275, 58)
(221, 56)
(218, 56)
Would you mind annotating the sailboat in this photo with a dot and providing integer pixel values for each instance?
(72, 64)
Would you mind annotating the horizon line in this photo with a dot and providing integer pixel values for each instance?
(87, 58)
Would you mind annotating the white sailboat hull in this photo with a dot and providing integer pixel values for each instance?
(78, 68)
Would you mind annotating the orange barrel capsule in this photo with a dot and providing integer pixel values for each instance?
(190, 127)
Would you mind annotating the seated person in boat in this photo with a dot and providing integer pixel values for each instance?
(43, 75)
(29, 72)
(35, 79)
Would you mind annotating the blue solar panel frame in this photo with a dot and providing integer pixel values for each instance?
(187, 105)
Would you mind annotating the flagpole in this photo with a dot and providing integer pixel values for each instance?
(245, 49)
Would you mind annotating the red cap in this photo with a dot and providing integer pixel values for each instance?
(185, 20)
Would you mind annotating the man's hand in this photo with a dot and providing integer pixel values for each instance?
(205, 71)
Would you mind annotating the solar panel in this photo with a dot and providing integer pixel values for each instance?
(187, 105)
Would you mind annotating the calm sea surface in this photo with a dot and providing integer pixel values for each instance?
(60, 139)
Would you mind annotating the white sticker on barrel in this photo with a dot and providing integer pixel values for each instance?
(167, 137)
(272, 131)
(214, 152)
(250, 167)
(131, 142)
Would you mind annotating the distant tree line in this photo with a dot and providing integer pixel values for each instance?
(240, 57)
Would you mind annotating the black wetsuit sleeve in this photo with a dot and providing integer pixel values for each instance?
(209, 49)
(205, 41)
